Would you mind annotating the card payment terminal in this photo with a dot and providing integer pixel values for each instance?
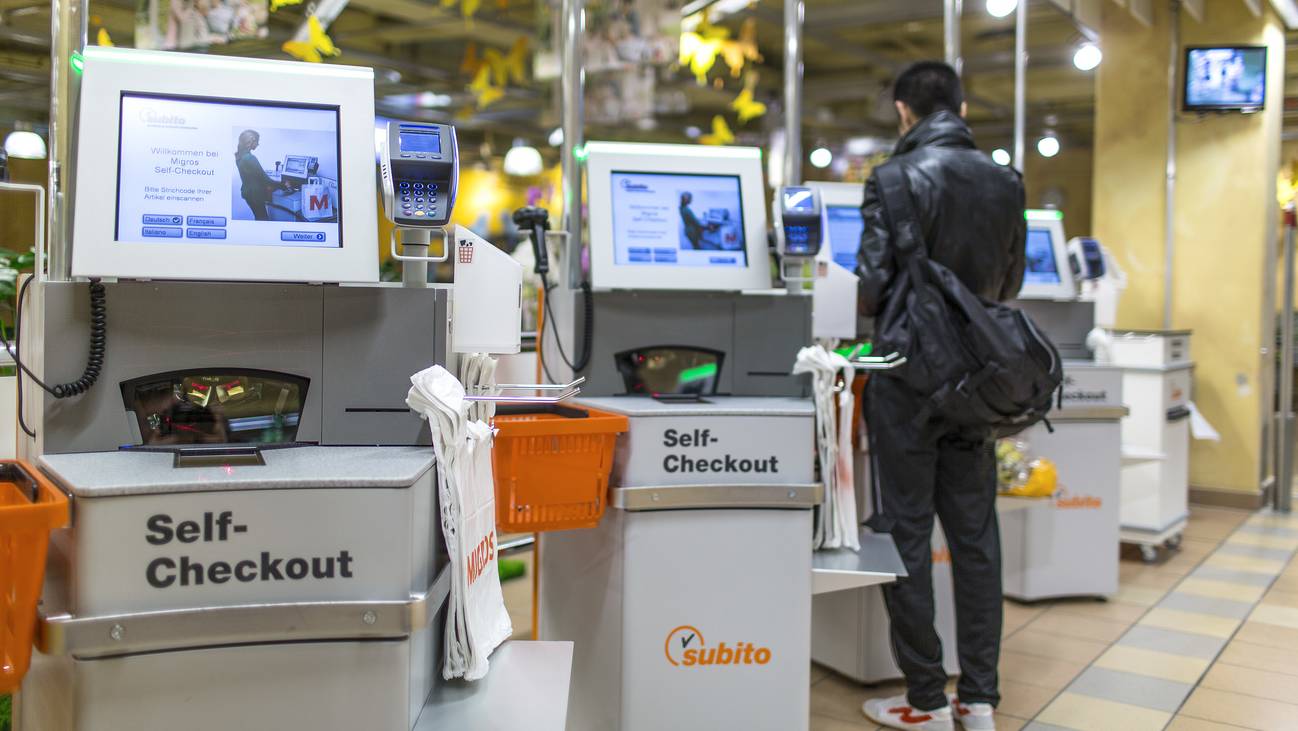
(420, 164)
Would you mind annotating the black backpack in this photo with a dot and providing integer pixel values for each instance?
(979, 364)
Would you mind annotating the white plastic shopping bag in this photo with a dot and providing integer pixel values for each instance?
(476, 622)
(836, 521)
(318, 200)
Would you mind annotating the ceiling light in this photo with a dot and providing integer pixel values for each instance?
(523, 160)
(1087, 57)
(821, 157)
(25, 145)
(1000, 156)
(1001, 8)
(1048, 146)
(556, 137)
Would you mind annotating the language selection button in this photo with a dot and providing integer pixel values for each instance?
(158, 220)
(314, 236)
(205, 233)
(205, 221)
(162, 232)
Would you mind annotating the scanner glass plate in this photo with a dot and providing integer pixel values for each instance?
(668, 369)
(213, 406)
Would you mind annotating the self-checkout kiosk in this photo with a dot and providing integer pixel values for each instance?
(256, 538)
(693, 595)
(1067, 545)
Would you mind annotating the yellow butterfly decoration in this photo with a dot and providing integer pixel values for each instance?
(699, 49)
(507, 67)
(743, 49)
(316, 47)
(277, 4)
(472, 61)
(745, 104)
(103, 39)
(483, 90)
(721, 134)
(468, 8)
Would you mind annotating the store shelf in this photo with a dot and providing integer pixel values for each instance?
(841, 569)
(526, 687)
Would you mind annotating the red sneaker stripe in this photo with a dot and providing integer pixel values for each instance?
(915, 719)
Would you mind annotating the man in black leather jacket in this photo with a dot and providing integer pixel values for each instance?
(971, 216)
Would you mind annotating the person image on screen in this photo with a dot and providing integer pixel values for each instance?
(257, 185)
(694, 228)
(970, 212)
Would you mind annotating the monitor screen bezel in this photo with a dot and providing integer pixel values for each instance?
(606, 158)
(1066, 287)
(1185, 80)
(109, 72)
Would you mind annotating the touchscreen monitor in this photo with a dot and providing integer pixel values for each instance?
(1041, 266)
(197, 170)
(845, 229)
(677, 220)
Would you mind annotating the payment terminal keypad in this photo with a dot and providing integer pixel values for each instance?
(420, 202)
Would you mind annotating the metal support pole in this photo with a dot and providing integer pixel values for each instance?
(794, 13)
(1282, 500)
(1169, 205)
(572, 114)
(415, 243)
(68, 36)
(1020, 82)
(951, 13)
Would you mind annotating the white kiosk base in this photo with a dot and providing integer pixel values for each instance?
(307, 592)
(692, 598)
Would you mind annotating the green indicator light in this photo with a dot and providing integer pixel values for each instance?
(77, 62)
(581, 153)
(697, 373)
(1047, 214)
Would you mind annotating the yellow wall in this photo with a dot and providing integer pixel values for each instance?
(1130, 143)
(1224, 222)
(1070, 172)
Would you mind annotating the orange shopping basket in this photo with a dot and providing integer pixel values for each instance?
(552, 467)
(30, 507)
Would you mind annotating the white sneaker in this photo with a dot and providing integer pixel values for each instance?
(974, 716)
(896, 712)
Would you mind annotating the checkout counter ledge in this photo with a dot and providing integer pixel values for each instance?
(840, 569)
(703, 497)
(176, 629)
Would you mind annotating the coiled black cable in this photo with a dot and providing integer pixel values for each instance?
(98, 344)
(94, 360)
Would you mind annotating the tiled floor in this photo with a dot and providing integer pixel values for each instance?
(1206, 640)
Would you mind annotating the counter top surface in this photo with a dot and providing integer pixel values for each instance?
(134, 472)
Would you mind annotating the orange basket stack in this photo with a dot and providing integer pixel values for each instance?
(552, 468)
(30, 507)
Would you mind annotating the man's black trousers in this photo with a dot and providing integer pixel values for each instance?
(920, 471)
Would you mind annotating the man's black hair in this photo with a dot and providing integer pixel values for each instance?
(927, 87)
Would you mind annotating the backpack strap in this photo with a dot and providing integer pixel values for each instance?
(894, 191)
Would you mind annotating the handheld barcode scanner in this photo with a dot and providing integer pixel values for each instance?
(420, 166)
(537, 221)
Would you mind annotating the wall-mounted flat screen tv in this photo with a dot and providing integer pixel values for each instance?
(1225, 78)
